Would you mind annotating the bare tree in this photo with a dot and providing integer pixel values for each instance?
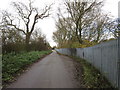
(114, 27)
(97, 30)
(64, 32)
(80, 13)
(29, 15)
(84, 22)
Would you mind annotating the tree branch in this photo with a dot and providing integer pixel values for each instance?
(17, 28)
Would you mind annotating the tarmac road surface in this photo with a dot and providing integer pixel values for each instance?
(53, 71)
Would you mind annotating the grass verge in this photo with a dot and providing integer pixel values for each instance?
(92, 78)
(14, 64)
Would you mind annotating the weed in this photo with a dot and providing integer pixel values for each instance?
(12, 63)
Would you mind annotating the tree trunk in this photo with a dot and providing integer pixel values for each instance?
(79, 30)
(27, 42)
(80, 36)
(98, 35)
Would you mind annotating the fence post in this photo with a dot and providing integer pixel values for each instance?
(118, 63)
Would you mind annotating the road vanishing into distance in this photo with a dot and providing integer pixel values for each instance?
(53, 71)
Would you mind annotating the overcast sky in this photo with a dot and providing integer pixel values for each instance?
(48, 25)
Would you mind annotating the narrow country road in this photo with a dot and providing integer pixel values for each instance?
(53, 71)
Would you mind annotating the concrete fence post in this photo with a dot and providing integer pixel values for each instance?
(118, 63)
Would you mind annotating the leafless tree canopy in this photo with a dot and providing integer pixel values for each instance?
(25, 18)
(83, 21)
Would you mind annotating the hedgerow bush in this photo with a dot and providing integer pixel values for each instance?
(13, 63)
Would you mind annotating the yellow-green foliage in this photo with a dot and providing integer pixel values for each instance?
(76, 44)
(87, 43)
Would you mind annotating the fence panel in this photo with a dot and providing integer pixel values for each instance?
(105, 57)
(80, 52)
(109, 61)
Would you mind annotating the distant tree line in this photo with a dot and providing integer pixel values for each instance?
(84, 24)
(13, 41)
(19, 31)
